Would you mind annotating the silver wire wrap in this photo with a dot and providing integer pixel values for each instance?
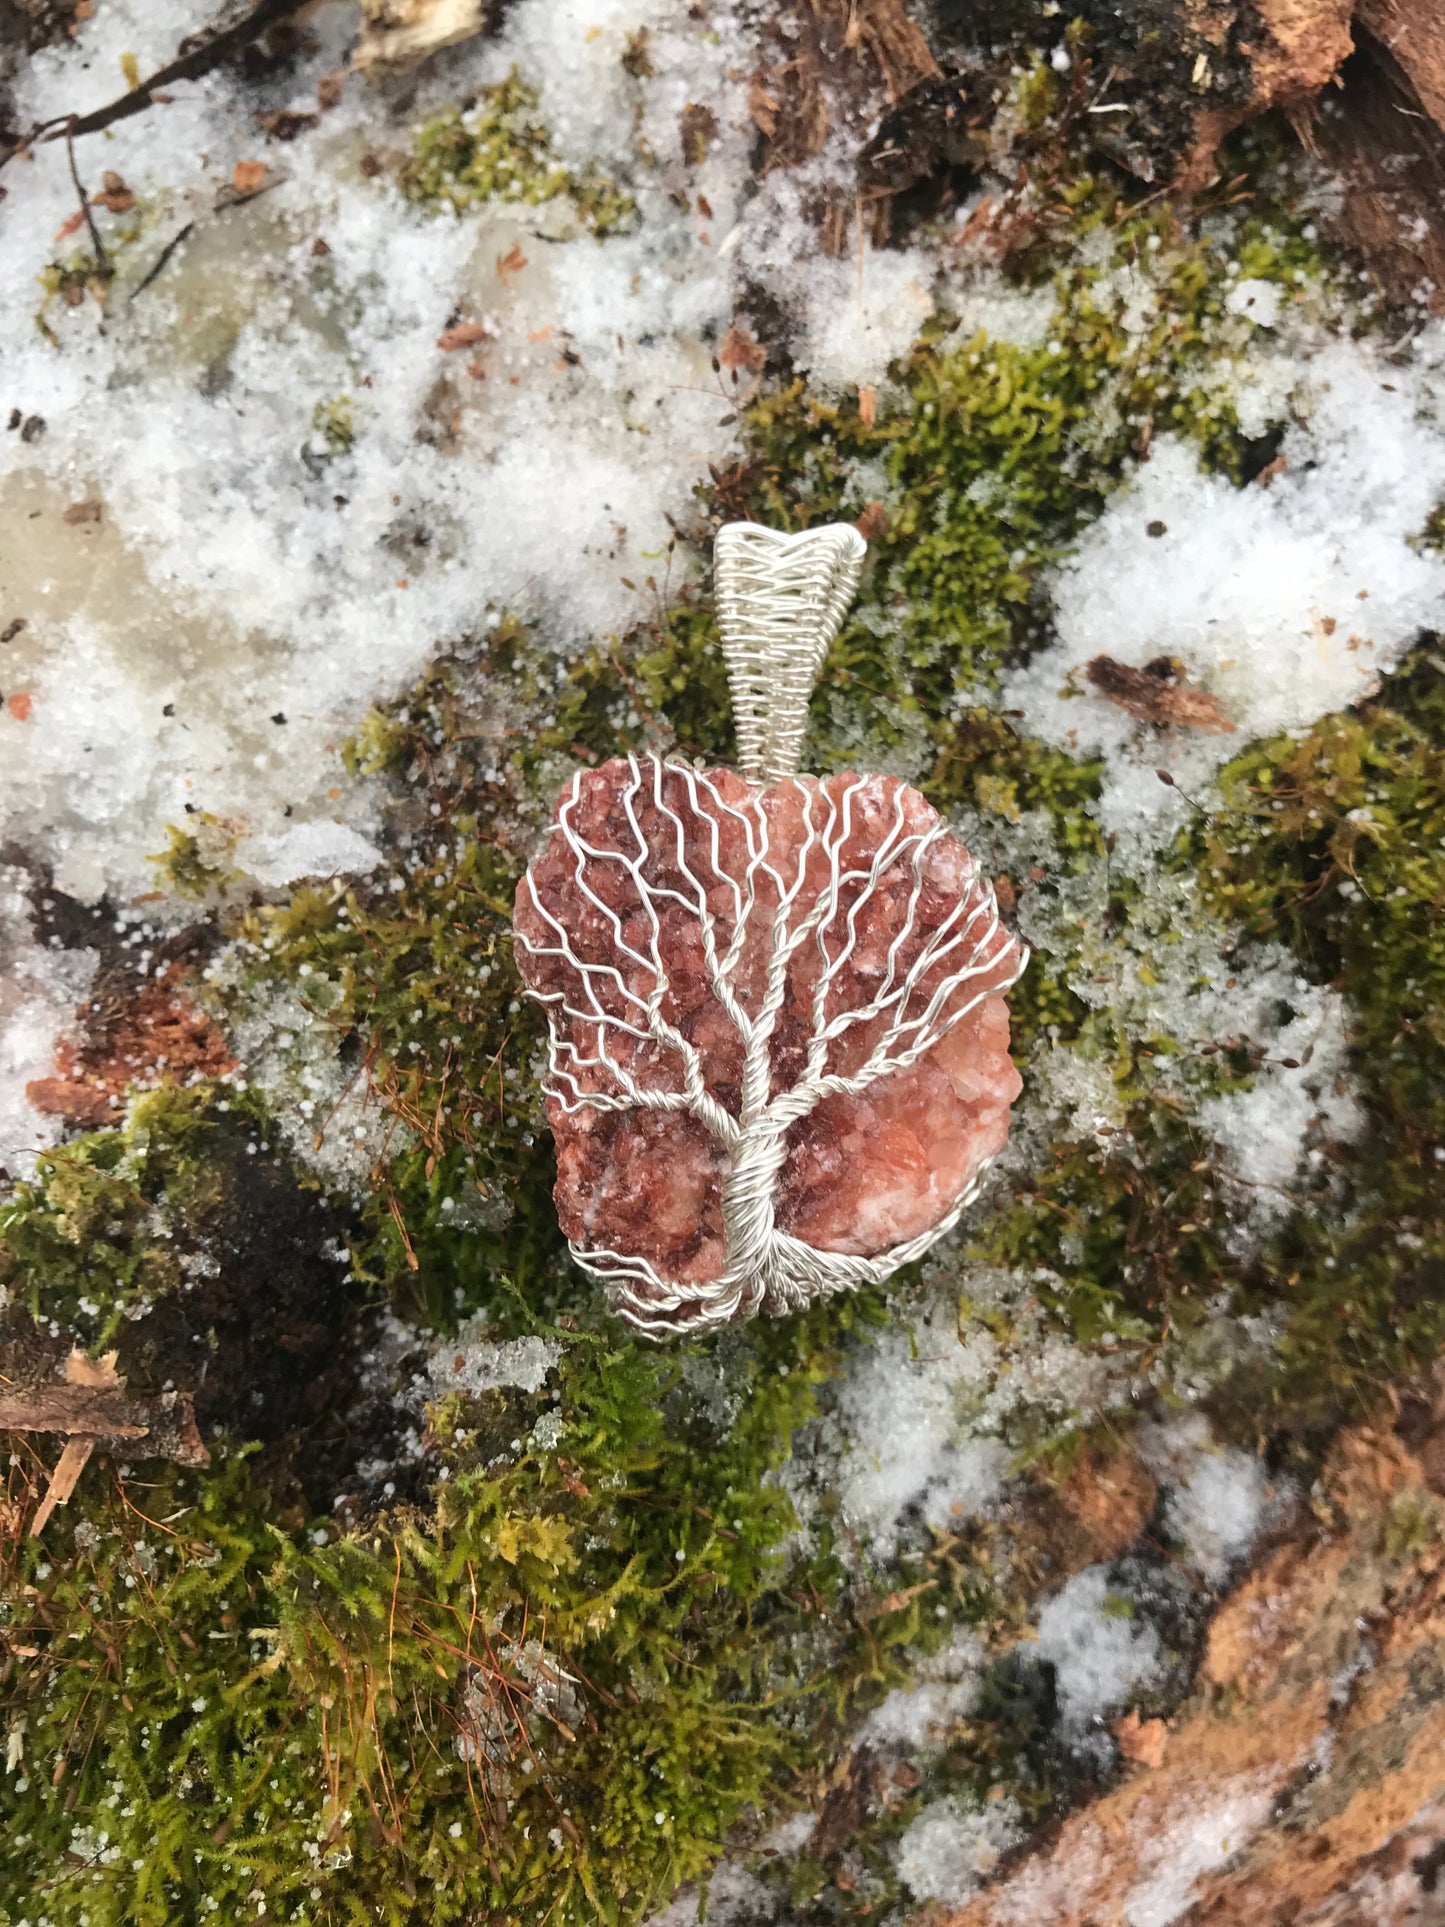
(612, 1048)
(780, 599)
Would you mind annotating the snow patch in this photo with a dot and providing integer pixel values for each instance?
(473, 1364)
(1285, 601)
(1219, 1498)
(248, 590)
(951, 1846)
(316, 849)
(943, 1691)
(39, 990)
(1193, 1844)
(858, 315)
(1100, 1652)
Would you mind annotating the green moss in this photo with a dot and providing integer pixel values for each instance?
(499, 150)
(84, 1242)
(1334, 842)
(333, 424)
(193, 862)
(485, 1704)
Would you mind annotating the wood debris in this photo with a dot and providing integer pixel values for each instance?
(87, 1400)
(1316, 1784)
(697, 130)
(1413, 31)
(1158, 693)
(88, 1396)
(286, 123)
(397, 34)
(1141, 1742)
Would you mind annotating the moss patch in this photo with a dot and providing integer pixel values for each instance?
(499, 150)
(1333, 842)
(557, 1685)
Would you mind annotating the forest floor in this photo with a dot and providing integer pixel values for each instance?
(372, 384)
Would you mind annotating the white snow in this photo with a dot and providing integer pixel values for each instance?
(942, 1691)
(859, 314)
(1285, 601)
(1194, 1843)
(39, 989)
(914, 1443)
(314, 849)
(326, 1110)
(950, 1846)
(473, 1364)
(1100, 1651)
(735, 1898)
(1258, 300)
(234, 575)
(1219, 1499)
(1173, 973)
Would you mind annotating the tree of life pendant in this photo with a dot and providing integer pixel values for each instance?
(776, 1003)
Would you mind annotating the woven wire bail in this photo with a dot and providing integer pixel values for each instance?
(781, 600)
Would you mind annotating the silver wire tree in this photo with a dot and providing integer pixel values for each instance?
(730, 961)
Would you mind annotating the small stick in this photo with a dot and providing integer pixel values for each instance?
(68, 1468)
(165, 254)
(95, 241)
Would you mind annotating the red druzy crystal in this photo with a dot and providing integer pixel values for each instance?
(778, 1023)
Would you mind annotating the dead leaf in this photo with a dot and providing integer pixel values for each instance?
(1272, 471)
(465, 334)
(329, 90)
(70, 224)
(117, 197)
(867, 406)
(1157, 693)
(249, 177)
(79, 514)
(873, 522)
(513, 261)
(19, 705)
(739, 349)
